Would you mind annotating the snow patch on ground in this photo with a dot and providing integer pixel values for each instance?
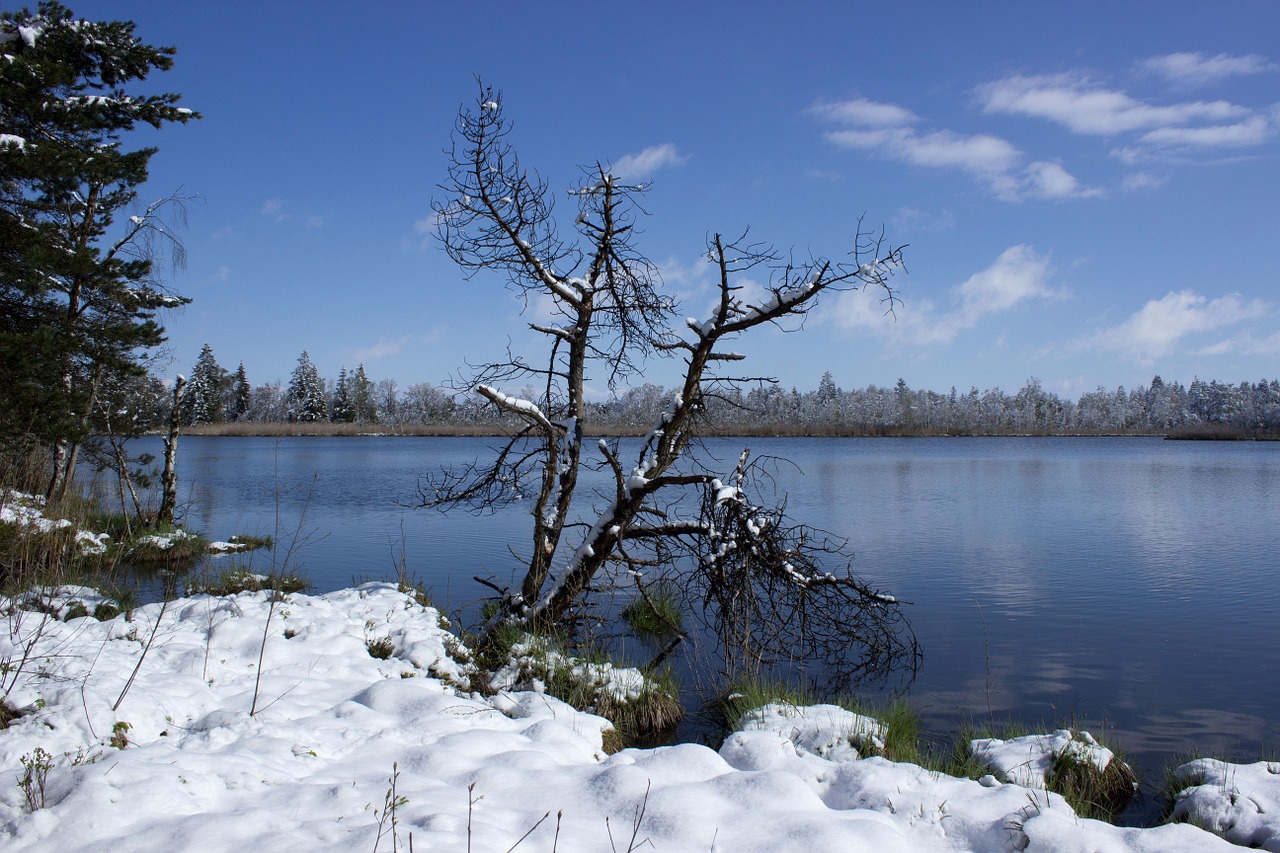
(27, 511)
(310, 769)
(1240, 802)
(827, 731)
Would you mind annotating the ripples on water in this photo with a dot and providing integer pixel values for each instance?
(1126, 580)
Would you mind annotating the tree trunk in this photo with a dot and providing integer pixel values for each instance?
(169, 476)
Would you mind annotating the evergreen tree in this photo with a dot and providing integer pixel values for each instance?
(341, 411)
(363, 404)
(241, 394)
(78, 300)
(202, 402)
(305, 398)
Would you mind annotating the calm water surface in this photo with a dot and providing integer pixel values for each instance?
(1133, 582)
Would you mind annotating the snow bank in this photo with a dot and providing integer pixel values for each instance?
(1240, 802)
(310, 770)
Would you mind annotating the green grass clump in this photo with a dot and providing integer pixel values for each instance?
(900, 718)
(416, 590)
(583, 680)
(656, 615)
(380, 648)
(106, 611)
(166, 547)
(239, 579)
(1093, 793)
(251, 543)
(76, 610)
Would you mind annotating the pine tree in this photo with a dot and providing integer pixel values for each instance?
(79, 300)
(360, 390)
(241, 394)
(341, 411)
(305, 398)
(202, 402)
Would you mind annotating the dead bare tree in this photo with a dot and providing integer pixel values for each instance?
(757, 577)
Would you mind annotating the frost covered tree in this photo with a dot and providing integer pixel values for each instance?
(360, 389)
(340, 410)
(241, 394)
(770, 588)
(79, 293)
(202, 401)
(305, 399)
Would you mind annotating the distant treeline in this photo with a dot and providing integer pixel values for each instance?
(1210, 409)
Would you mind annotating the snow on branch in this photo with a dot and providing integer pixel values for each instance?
(524, 408)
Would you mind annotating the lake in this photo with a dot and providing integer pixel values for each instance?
(1132, 583)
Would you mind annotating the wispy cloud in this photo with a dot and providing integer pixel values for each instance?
(1197, 69)
(1166, 131)
(1074, 102)
(219, 276)
(993, 161)
(1157, 329)
(908, 219)
(643, 164)
(274, 208)
(423, 237)
(1019, 274)
(1143, 181)
(864, 112)
(1251, 131)
(382, 349)
(279, 209)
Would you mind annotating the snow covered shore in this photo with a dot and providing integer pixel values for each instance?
(311, 769)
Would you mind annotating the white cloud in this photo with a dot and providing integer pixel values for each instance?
(1252, 131)
(274, 208)
(1155, 330)
(1267, 346)
(1196, 69)
(993, 161)
(914, 219)
(1075, 103)
(644, 163)
(221, 275)
(382, 349)
(1049, 180)
(861, 111)
(1143, 181)
(1019, 274)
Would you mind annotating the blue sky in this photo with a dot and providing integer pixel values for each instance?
(1088, 190)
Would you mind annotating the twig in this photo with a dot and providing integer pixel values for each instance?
(154, 628)
(532, 828)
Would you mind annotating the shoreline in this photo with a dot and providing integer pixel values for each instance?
(264, 720)
(331, 430)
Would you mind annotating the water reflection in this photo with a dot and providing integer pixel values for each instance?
(1125, 579)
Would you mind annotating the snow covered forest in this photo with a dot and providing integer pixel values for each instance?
(1251, 409)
